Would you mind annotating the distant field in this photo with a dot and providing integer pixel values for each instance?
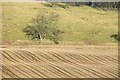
(81, 24)
(17, 0)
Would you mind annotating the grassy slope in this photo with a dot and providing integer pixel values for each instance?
(79, 23)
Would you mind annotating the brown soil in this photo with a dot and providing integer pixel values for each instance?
(59, 61)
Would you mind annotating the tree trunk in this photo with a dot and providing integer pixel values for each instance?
(40, 37)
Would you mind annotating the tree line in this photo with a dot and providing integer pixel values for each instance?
(107, 5)
(99, 4)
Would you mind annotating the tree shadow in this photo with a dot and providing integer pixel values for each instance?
(56, 4)
(47, 5)
(116, 36)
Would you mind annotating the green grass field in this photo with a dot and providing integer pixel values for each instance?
(80, 24)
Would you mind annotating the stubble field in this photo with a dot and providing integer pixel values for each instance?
(59, 62)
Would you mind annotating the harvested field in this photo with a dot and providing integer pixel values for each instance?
(59, 62)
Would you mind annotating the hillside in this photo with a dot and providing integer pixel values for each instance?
(80, 24)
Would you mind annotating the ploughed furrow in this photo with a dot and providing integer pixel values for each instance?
(50, 63)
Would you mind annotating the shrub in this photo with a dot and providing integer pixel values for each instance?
(44, 27)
